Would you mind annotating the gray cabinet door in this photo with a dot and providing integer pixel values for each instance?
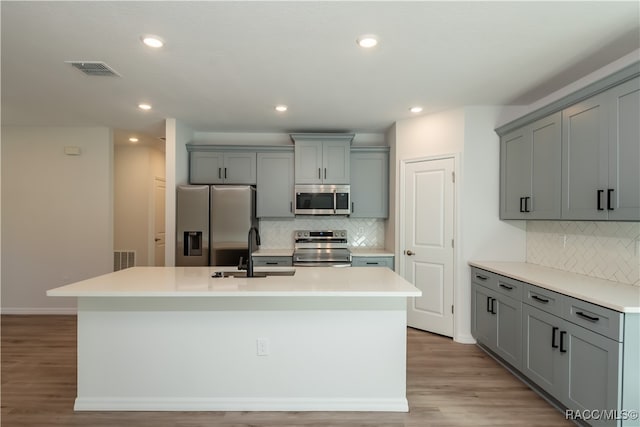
(592, 380)
(508, 343)
(515, 173)
(240, 168)
(585, 145)
(369, 185)
(335, 162)
(624, 152)
(541, 349)
(206, 167)
(275, 185)
(308, 161)
(546, 167)
(483, 321)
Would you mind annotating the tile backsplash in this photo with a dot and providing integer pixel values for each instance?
(606, 250)
(361, 232)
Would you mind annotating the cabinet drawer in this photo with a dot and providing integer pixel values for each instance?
(510, 287)
(365, 261)
(545, 300)
(598, 319)
(484, 278)
(272, 261)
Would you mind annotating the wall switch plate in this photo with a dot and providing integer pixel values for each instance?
(71, 150)
(262, 346)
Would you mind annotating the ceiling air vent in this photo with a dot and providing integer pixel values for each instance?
(94, 68)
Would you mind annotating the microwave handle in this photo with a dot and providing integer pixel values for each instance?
(335, 207)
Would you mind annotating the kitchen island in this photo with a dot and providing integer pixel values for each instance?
(178, 339)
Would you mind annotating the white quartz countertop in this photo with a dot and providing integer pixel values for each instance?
(273, 252)
(614, 295)
(197, 282)
(370, 252)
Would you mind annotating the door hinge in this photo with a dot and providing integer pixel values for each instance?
(451, 309)
(453, 177)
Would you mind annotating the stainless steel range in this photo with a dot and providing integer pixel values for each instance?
(321, 248)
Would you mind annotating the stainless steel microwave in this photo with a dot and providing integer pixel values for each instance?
(322, 199)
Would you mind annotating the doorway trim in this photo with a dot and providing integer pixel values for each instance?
(457, 250)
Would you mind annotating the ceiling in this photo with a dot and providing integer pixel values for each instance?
(225, 65)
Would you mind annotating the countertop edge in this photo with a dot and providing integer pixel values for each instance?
(490, 266)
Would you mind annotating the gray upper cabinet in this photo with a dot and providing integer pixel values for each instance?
(601, 156)
(221, 167)
(530, 176)
(321, 159)
(275, 185)
(369, 184)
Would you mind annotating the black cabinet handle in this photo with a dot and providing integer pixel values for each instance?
(319, 176)
(271, 263)
(542, 300)
(225, 173)
(553, 337)
(493, 306)
(219, 173)
(488, 304)
(600, 208)
(351, 207)
(609, 192)
(483, 278)
(562, 334)
(325, 173)
(526, 204)
(290, 206)
(587, 317)
(372, 263)
(521, 203)
(503, 286)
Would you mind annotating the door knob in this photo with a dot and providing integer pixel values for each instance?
(409, 253)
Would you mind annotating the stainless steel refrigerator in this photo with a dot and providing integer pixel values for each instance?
(212, 224)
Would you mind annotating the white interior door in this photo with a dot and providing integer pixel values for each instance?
(427, 247)
(158, 222)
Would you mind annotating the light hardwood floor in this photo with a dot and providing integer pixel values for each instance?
(448, 384)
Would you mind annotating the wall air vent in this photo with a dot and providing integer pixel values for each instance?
(123, 259)
(94, 68)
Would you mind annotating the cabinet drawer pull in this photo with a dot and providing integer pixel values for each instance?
(587, 317)
(562, 334)
(371, 263)
(483, 278)
(503, 286)
(271, 263)
(553, 337)
(542, 300)
(609, 192)
(600, 208)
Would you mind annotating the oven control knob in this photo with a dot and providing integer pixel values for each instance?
(306, 234)
(342, 234)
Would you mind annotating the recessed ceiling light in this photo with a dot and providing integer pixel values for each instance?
(144, 106)
(133, 139)
(152, 41)
(415, 109)
(281, 108)
(367, 41)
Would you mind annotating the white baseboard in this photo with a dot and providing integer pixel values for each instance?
(464, 339)
(239, 404)
(40, 310)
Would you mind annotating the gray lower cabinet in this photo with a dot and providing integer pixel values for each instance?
(275, 185)
(377, 261)
(369, 183)
(498, 318)
(220, 167)
(574, 350)
(272, 261)
(530, 171)
(601, 156)
(578, 367)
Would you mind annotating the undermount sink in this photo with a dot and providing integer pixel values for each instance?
(223, 274)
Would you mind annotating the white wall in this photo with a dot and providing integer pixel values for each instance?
(468, 135)
(135, 169)
(178, 135)
(57, 221)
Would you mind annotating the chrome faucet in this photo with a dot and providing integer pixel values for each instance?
(250, 260)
